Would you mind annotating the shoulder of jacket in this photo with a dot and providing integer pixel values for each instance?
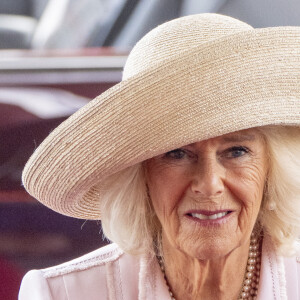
(99, 257)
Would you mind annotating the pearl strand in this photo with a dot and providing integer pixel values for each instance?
(162, 267)
(251, 280)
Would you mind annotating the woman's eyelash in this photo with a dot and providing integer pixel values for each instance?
(241, 148)
(175, 154)
(237, 151)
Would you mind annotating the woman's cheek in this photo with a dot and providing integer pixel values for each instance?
(248, 186)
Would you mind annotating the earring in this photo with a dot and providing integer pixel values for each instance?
(272, 206)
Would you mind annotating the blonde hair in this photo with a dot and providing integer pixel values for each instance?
(280, 211)
(128, 217)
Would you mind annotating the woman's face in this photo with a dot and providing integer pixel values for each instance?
(207, 195)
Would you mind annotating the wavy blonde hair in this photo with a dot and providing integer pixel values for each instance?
(129, 220)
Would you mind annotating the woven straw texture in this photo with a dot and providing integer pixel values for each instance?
(190, 79)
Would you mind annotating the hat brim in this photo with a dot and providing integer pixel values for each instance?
(243, 80)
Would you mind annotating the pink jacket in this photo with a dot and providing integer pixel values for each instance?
(109, 273)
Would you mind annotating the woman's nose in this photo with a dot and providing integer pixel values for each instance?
(208, 179)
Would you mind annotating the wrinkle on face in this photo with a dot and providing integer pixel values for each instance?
(176, 186)
(224, 173)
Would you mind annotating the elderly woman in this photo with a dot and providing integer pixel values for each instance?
(192, 163)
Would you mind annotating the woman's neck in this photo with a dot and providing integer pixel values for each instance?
(212, 279)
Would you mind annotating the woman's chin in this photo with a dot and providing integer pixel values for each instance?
(208, 252)
(207, 247)
(207, 243)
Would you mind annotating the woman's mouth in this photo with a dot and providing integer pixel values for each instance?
(209, 216)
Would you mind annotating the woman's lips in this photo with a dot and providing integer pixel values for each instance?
(205, 216)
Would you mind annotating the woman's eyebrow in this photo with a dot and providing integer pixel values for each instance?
(239, 138)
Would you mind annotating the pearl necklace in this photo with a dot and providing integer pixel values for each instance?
(251, 280)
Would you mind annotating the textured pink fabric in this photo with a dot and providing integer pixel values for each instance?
(108, 273)
(280, 277)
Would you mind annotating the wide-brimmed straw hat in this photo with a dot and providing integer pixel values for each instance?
(187, 80)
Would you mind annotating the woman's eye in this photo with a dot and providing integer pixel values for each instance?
(236, 152)
(175, 154)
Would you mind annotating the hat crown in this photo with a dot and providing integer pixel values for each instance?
(177, 36)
